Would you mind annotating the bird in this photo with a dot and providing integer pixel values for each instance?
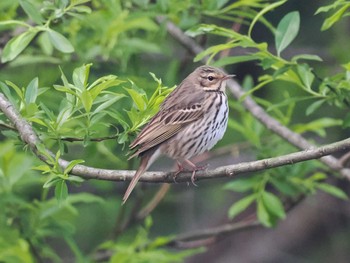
(190, 121)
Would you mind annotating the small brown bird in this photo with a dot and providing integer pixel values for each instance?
(191, 120)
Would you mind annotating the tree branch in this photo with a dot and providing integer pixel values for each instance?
(203, 234)
(99, 139)
(28, 136)
(258, 112)
(4, 126)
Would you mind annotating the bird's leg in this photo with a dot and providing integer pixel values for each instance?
(180, 169)
(195, 168)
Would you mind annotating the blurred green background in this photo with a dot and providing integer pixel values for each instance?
(124, 43)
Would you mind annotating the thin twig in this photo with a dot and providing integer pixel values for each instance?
(147, 209)
(203, 234)
(4, 126)
(99, 139)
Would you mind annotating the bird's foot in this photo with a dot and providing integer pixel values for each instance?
(180, 169)
(195, 168)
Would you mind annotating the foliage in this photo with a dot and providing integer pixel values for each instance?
(301, 75)
(144, 249)
(84, 112)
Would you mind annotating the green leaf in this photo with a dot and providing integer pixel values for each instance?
(284, 186)
(81, 76)
(75, 179)
(267, 63)
(263, 11)
(45, 43)
(60, 42)
(306, 75)
(71, 165)
(241, 205)
(52, 181)
(102, 84)
(85, 198)
(280, 71)
(263, 214)
(31, 92)
(16, 89)
(233, 60)
(86, 100)
(61, 191)
(287, 30)
(346, 121)
(120, 119)
(314, 106)
(6, 90)
(108, 103)
(16, 45)
(137, 98)
(328, 23)
(317, 126)
(7, 23)
(242, 185)
(327, 8)
(332, 190)
(32, 11)
(273, 205)
(306, 57)
(199, 30)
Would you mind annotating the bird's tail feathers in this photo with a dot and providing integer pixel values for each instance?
(142, 168)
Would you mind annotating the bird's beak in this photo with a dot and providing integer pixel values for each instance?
(228, 77)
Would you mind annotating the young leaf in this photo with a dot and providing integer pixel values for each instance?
(266, 9)
(306, 75)
(6, 90)
(86, 100)
(287, 30)
(31, 11)
(75, 179)
(233, 60)
(31, 92)
(273, 205)
(52, 181)
(61, 191)
(108, 103)
(332, 190)
(284, 186)
(314, 106)
(85, 198)
(240, 205)
(71, 165)
(242, 185)
(306, 57)
(81, 76)
(137, 98)
(60, 42)
(263, 214)
(16, 45)
(328, 23)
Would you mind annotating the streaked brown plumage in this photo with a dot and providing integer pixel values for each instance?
(191, 120)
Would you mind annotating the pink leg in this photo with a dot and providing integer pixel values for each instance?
(195, 169)
(180, 169)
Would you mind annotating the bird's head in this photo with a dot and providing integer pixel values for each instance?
(211, 78)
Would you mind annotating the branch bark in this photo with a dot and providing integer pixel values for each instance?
(28, 136)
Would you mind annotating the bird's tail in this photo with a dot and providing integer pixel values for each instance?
(145, 163)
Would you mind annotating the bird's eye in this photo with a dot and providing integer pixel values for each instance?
(210, 78)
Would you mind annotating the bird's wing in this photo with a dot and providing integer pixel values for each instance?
(169, 121)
